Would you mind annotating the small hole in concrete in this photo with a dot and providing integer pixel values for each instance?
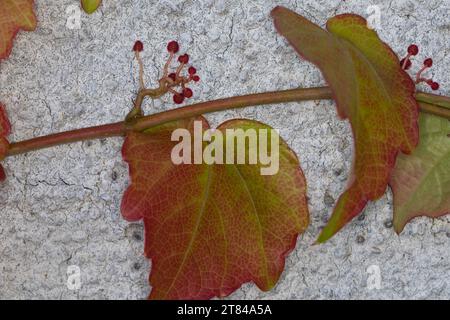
(388, 224)
(137, 266)
(328, 199)
(137, 236)
(360, 239)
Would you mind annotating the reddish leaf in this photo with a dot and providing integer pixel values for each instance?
(14, 15)
(211, 228)
(5, 130)
(5, 125)
(421, 181)
(370, 89)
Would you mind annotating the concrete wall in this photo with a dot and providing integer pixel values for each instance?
(60, 207)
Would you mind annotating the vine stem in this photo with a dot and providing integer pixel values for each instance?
(428, 103)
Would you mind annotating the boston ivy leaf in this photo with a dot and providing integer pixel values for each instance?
(5, 130)
(89, 6)
(211, 228)
(421, 181)
(14, 15)
(370, 89)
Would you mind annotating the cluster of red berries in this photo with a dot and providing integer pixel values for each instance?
(406, 63)
(176, 78)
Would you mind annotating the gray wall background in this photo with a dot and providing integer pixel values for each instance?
(60, 207)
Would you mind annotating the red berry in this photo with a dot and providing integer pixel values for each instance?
(192, 71)
(184, 58)
(187, 93)
(407, 65)
(413, 50)
(173, 47)
(196, 78)
(428, 62)
(435, 86)
(138, 46)
(172, 76)
(178, 98)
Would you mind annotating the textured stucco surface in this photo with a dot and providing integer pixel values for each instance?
(60, 207)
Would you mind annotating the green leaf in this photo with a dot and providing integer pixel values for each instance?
(421, 181)
(370, 89)
(211, 228)
(89, 6)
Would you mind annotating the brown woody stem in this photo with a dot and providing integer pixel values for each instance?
(429, 103)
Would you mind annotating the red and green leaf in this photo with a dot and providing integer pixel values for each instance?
(89, 6)
(370, 89)
(421, 181)
(211, 228)
(14, 15)
(5, 130)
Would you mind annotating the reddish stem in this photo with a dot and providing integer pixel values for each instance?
(419, 78)
(405, 61)
(103, 131)
(428, 103)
